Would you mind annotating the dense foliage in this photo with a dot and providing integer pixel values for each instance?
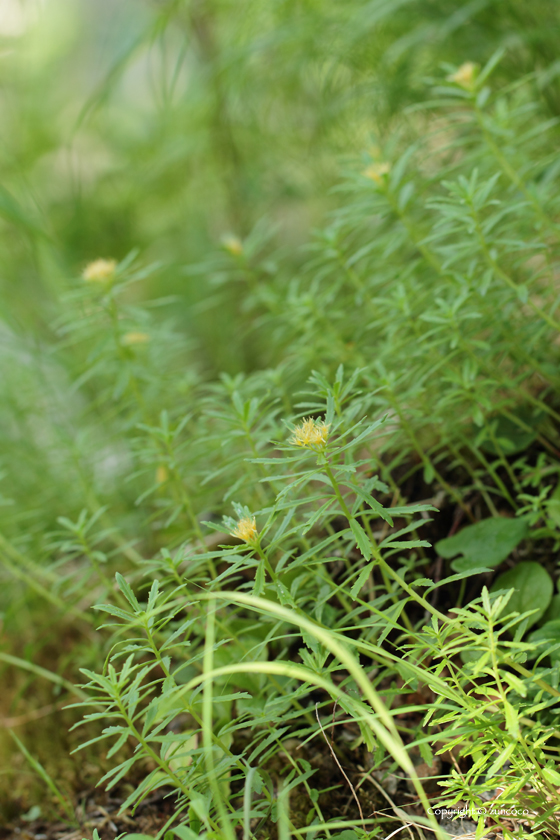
(280, 411)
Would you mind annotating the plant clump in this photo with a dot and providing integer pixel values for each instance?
(368, 369)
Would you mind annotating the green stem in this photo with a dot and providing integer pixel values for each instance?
(207, 729)
(149, 751)
(499, 272)
(426, 460)
(509, 170)
(188, 708)
(384, 567)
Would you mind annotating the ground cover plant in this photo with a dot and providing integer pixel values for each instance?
(280, 423)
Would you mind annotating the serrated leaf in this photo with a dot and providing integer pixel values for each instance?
(515, 683)
(259, 579)
(408, 544)
(362, 539)
(501, 759)
(361, 579)
(479, 570)
(512, 720)
(551, 775)
(115, 611)
(373, 504)
(426, 752)
(127, 591)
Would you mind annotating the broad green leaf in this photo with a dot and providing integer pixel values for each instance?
(485, 544)
(429, 473)
(184, 833)
(553, 511)
(550, 631)
(512, 436)
(345, 835)
(140, 836)
(532, 587)
(553, 611)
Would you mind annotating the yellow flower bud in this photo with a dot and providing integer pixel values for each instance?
(377, 171)
(162, 474)
(135, 338)
(310, 433)
(99, 271)
(246, 530)
(232, 244)
(464, 76)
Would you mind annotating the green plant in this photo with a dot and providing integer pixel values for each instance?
(278, 566)
(390, 386)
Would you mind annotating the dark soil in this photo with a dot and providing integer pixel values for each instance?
(96, 809)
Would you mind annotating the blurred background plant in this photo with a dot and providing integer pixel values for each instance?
(201, 203)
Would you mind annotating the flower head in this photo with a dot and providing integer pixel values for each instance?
(377, 171)
(162, 474)
(232, 244)
(135, 338)
(465, 75)
(246, 529)
(311, 433)
(99, 271)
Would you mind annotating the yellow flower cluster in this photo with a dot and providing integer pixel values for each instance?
(377, 171)
(311, 433)
(464, 76)
(232, 244)
(246, 529)
(162, 474)
(99, 271)
(135, 338)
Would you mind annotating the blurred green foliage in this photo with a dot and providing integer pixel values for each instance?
(164, 125)
(286, 187)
